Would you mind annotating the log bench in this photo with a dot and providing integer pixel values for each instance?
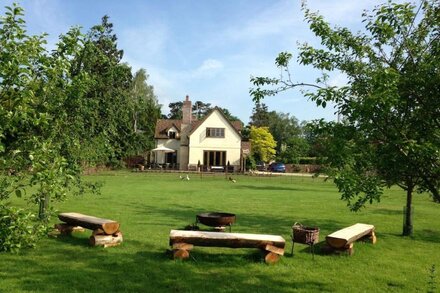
(105, 232)
(183, 241)
(343, 240)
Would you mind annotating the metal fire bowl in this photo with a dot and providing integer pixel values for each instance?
(216, 219)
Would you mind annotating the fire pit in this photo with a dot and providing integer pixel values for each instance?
(216, 219)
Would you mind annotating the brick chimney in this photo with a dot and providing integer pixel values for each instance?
(186, 111)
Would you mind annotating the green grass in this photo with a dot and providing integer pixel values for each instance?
(150, 205)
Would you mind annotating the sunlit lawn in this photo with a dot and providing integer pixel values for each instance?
(149, 205)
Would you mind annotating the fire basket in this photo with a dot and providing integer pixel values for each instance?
(216, 219)
(305, 235)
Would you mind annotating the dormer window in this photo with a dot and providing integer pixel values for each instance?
(171, 134)
(215, 132)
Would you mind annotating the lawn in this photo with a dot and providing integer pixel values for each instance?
(149, 205)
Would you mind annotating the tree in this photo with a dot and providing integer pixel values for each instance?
(200, 109)
(260, 115)
(175, 110)
(145, 110)
(294, 148)
(35, 85)
(102, 116)
(263, 144)
(283, 128)
(229, 115)
(390, 130)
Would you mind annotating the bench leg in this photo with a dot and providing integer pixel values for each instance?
(180, 254)
(66, 229)
(181, 250)
(106, 240)
(373, 238)
(272, 253)
(349, 249)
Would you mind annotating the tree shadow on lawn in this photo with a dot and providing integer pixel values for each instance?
(148, 270)
(268, 187)
(388, 212)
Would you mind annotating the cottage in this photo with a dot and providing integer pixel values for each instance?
(211, 144)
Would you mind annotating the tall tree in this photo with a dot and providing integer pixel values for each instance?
(200, 109)
(260, 115)
(390, 133)
(283, 128)
(103, 121)
(145, 110)
(175, 110)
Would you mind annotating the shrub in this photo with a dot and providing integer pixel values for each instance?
(18, 229)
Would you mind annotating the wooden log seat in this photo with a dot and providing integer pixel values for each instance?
(105, 232)
(183, 241)
(344, 239)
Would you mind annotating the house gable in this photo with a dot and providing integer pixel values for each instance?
(215, 121)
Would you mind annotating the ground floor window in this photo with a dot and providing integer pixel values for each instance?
(171, 158)
(214, 158)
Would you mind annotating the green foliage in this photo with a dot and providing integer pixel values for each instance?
(260, 115)
(263, 144)
(145, 112)
(293, 150)
(18, 229)
(390, 131)
(175, 110)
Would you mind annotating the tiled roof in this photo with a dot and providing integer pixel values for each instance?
(162, 126)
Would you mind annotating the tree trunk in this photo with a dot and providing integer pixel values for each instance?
(43, 207)
(408, 224)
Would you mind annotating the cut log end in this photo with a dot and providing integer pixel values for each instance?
(271, 257)
(110, 228)
(180, 254)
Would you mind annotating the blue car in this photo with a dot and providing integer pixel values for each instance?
(277, 167)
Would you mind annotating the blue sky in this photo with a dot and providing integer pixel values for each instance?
(205, 49)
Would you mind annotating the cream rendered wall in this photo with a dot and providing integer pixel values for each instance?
(169, 143)
(198, 141)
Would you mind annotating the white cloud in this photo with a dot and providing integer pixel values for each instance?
(338, 80)
(276, 19)
(209, 65)
(146, 43)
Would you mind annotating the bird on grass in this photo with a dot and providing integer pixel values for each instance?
(184, 178)
(232, 180)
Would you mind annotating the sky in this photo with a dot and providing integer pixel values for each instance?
(206, 49)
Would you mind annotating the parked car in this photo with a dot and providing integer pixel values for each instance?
(277, 167)
(261, 166)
